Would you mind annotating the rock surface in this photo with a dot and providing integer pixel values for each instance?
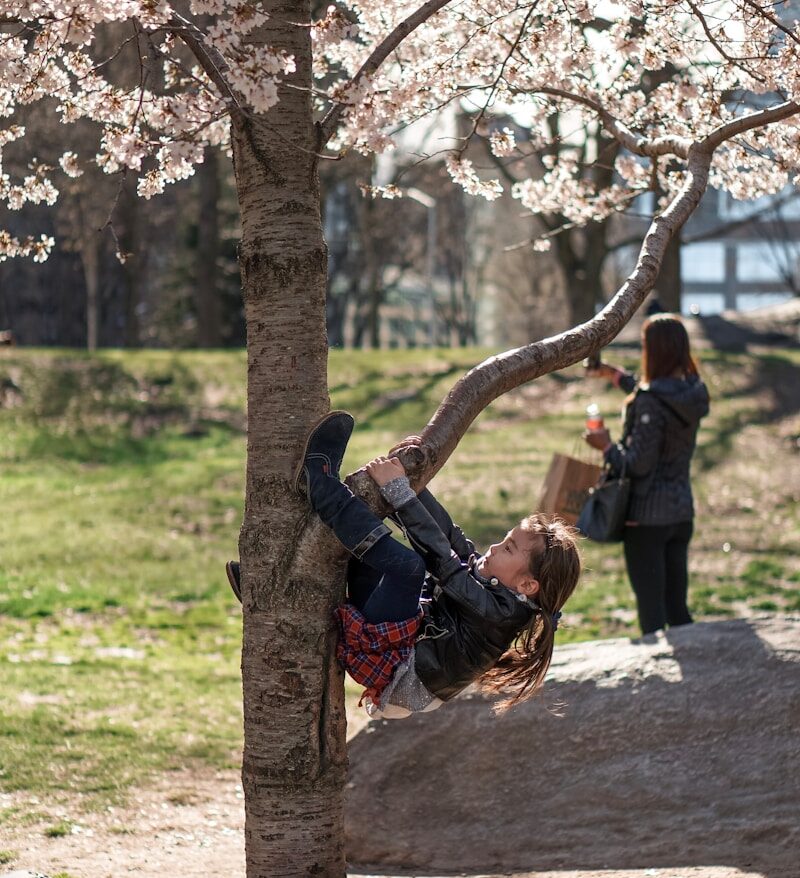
(678, 751)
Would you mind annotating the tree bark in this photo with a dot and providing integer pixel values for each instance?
(668, 287)
(134, 269)
(294, 760)
(207, 298)
(90, 258)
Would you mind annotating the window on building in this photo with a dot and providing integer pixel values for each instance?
(704, 262)
(761, 261)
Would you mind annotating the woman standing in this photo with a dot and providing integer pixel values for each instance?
(661, 419)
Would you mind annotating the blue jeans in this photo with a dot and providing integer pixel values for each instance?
(386, 582)
(384, 577)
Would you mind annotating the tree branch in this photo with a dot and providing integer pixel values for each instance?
(211, 61)
(329, 124)
(746, 123)
(770, 17)
(736, 62)
(635, 143)
(501, 373)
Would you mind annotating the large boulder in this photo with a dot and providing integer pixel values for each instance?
(681, 749)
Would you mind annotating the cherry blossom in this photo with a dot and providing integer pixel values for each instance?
(380, 67)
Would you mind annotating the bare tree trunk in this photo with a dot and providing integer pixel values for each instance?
(668, 287)
(134, 267)
(207, 298)
(294, 761)
(90, 258)
(582, 290)
(374, 320)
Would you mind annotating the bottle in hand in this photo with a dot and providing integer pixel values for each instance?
(594, 420)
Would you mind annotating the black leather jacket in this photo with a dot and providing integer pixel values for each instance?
(469, 621)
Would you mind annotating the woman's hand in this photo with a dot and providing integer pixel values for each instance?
(599, 439)
(383, 469)
(610, 373)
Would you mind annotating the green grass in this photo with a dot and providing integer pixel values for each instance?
(122, 489)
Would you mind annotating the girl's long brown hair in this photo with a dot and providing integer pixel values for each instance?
(665, 348)
(521, 671)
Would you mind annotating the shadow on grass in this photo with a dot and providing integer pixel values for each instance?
(116, 446)
(776, 384)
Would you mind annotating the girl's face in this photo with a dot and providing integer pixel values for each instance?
(509, 560)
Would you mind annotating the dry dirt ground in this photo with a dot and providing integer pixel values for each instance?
(191, 826)
(677, 754)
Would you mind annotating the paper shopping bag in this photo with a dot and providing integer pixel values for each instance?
(566, 486)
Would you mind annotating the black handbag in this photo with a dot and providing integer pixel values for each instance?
(603, 515)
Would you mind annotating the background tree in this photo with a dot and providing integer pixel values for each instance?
(246, 82)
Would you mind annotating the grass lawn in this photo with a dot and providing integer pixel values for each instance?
(122, 489)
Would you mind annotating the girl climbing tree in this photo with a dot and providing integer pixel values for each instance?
(283, 87)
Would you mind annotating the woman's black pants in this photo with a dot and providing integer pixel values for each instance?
(657, 560)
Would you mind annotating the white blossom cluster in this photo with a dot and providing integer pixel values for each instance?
(157, 128)
(597, 62)
(655, 74)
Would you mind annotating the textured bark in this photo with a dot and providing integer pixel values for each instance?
(292, 572)
(668, 286)
(90, 259)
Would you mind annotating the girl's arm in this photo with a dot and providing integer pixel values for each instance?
(461, 545)
(420, 526)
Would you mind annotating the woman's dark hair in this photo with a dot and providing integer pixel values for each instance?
(665, 348)
(556, 565)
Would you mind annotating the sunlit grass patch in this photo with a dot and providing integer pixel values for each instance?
(58, 830)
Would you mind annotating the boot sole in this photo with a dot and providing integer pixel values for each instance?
(236, 586)
(298, 473)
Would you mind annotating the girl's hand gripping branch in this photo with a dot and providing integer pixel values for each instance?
(383, 470)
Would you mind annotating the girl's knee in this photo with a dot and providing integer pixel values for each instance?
(416, 568)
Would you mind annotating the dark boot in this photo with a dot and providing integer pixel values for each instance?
(324, 450)
(234, 578)
(351, 520)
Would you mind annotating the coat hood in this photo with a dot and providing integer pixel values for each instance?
(687, 397)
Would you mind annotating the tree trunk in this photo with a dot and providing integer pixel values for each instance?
(668, 287)
(581, 290)
(207, 299)
(135, 264)
(294, 763)
(90, 258)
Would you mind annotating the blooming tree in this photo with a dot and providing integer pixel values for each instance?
(282, 87)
